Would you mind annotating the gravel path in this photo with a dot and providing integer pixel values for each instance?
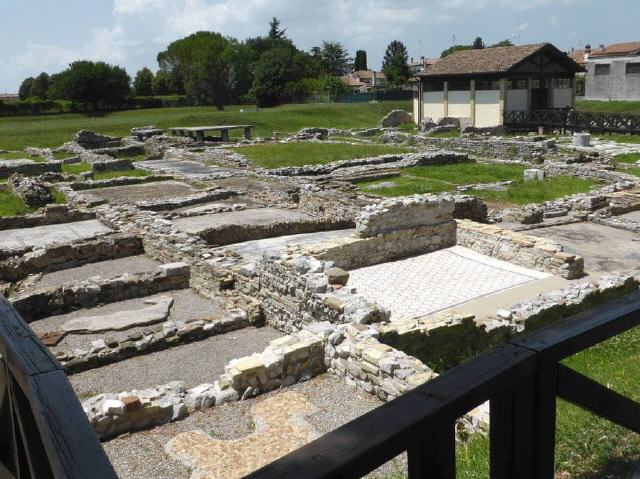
(141, 455)
(106, 269)
(187, 305)
(193, 363)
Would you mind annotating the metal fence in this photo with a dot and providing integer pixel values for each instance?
(572, 120)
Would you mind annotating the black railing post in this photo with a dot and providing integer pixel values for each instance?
(435, 456)
(544, 420)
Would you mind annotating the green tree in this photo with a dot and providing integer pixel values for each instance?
(162, 83)
(478, 44)
(143, 82)
(95, 83)
(275, 32)
(25, 88)
(503, 43)
(206, 62)
(335, 58)
(455, 48)
(40, 86)
(273, 74)
(360, 63)
(394, 64)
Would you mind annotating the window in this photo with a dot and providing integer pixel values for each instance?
(561, 83)
(539, 83)
(487, 84)
(633, 68)
(602, 69)
(459, 85)
(433, 85)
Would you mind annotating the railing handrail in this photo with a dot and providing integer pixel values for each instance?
(521, 379)
(44, 430)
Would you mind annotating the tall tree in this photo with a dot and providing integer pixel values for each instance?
(272, 73)
(503, 43)
(394, 64)
(360, 63)
(455, 48)
(275, 32)
(478, 43)
(162, 83)
(96, 83)
(335, 58)
(25, 88)
(40, 86)
(143, 82)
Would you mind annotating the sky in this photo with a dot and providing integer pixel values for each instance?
(46, 35)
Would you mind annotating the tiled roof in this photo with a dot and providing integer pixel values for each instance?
(616, 49)
(485, 60)
(369, 74)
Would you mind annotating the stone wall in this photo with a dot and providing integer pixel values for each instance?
(34, 192)
(50, 215)
(109, 164)
(97, 290)
(284, 362)
(28, 167)
(528, 251)
(60, 256)
(588, 172)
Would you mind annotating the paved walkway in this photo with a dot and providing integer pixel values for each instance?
(260, 216)
(255, 249)
(185, 168)
(432, 282)
(40, 236)
(156, 190)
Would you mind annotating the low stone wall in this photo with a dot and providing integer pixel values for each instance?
(588, 172)
(61, 256)
(102, 166)
(284, 362)
(233, 233)
(406, 160)
(494, 147)
(327, 200)
(28, 167)
(95, 291)
(121, 181)
(195, 199)
(51, 214)
(34, 192)
(528, 251)
(168, 335)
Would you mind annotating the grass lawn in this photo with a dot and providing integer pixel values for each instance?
(11, 205)
(301, 154)
(116, 174)
(586, 445)
(436, 179)
(609, 106)
(20, 155)
(619, 137)
(627, 158)
(76, 168)
(16, 133)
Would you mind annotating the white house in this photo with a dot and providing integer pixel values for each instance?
(485, 85)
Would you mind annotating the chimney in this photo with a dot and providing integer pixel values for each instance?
(411, 60)
(587, 51)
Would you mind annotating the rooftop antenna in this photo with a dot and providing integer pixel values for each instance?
(516, 38)
(454, 40)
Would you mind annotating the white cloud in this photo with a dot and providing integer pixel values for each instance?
(132, 7)
(108, 45)
(39, 57)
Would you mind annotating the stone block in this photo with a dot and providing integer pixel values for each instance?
(533, 174)
(174, 269)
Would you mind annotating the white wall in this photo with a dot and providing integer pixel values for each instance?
(562, 97)
(416, 105)
(459, 104)
(487, 108)
(433, 105)
(516, 100)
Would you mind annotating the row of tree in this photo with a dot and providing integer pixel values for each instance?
(210, 68)
(477, 44)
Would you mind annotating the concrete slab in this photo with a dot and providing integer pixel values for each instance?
(23, 239)
(156, 312)
(425, 284)
(254, 250)
(260, 216)
(185, 168)
(603, 248)
(157, 190)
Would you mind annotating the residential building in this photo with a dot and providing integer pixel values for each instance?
(419, 65)
(485, 84)
(613, 72)
(365, 80)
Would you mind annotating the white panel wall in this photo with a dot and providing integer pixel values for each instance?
(562, 97)
(433, 105)
(516, 100)
(459, 104)
(416, 105)
(487, 108)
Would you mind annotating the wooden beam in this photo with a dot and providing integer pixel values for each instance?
(445, 101)
(473, 101)
(593, 396)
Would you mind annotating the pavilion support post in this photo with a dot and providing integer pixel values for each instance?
(472, 95)
(247, 133)
(225, 135)
(501, 103)
(529, 94)
(446, 99)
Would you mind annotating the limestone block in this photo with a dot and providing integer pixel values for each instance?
(533, 174)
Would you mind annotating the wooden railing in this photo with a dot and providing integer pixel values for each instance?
(521, 379)
(44, 433)
(573, 120)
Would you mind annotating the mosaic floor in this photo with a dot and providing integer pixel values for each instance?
(432, 282)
